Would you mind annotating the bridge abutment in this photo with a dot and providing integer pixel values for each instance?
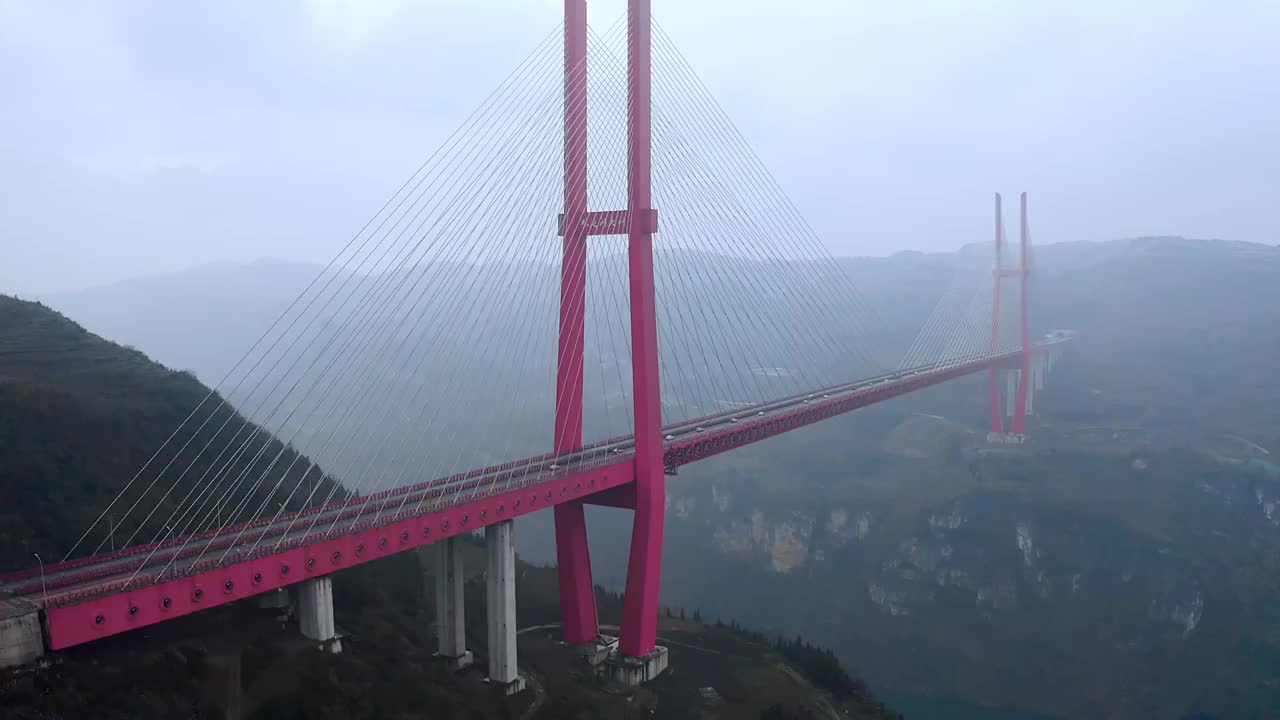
(315, 612)
(500, 586)
(451, 627)
(21, 639)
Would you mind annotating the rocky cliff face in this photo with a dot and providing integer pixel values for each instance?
(981, 551)
(1104, 570)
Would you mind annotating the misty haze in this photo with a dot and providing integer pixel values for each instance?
(545, 360)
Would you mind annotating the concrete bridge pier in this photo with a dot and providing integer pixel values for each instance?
(21, 639)
(1010, 403)
(1011, 391)
(315, 612)
(1031, 389)
(500, 587)
(1011, 388)
(451, 627)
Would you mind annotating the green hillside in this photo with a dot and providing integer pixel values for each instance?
(79, 415)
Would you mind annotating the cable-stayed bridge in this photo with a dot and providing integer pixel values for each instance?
(592, 283)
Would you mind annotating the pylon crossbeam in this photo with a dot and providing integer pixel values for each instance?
(611, 222)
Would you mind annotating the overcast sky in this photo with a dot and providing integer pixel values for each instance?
(139, 136)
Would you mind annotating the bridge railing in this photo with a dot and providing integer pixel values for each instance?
(142, 580)
(183, 540)
(679, 452)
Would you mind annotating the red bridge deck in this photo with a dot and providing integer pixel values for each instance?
(92, 597)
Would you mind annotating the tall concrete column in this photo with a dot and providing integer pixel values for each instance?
(1011, 391)
(315, 612)
(451, 628)
(1031, 389)
(500, 580)
(1037, 372)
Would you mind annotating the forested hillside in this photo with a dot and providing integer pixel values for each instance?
(1175, 333)
(79, 416)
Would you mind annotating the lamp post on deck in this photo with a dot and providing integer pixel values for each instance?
(44, 589)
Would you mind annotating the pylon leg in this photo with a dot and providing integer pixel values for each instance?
(993, 375)
(1024, 376)
(573, 559)
(573, 562)
(644, 571)
(997, 409)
